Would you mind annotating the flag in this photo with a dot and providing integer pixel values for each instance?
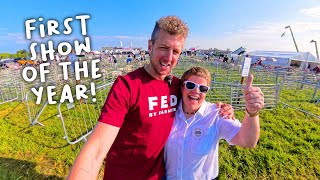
(283, 34)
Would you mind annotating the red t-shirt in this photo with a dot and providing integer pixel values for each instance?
(144, 109)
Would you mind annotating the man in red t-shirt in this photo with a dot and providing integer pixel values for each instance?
(138, 114)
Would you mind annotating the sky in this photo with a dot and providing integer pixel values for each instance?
(222, 24)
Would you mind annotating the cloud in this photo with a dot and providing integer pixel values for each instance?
(120, 37)
(313, 12)
(265, 36)
(127, 41)
(18, 38)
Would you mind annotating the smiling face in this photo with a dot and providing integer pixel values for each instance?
(164, 54)
(192, 99)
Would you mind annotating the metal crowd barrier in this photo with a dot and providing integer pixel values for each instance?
(301, 93)
(35, 110)
(233, 94)
(11, 88)
(79, 118)
(55, 77)
(234, 76)
(8, 92)
(231, 76)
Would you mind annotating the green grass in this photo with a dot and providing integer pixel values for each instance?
(41, 152)
(289, 147)
(6, 55)
(33, 152)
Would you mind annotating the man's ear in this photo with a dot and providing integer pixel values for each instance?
(150, 45)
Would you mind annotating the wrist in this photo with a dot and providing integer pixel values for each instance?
(252, 114)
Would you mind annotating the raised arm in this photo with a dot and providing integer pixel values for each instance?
(90, 158)
(249, 133)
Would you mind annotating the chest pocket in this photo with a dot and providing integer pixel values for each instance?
(201, 140)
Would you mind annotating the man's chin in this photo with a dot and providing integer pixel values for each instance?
(163, 73)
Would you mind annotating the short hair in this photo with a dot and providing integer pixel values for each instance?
(197, 71)
(172, 24)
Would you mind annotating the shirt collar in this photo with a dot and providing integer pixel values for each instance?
(202, 108)
(200, 111)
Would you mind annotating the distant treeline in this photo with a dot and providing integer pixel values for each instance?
(19, 54)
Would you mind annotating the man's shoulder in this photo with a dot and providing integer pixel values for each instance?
(136, 73)
(176, 80)
(175, 77)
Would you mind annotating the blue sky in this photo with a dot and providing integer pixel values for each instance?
(222, 24)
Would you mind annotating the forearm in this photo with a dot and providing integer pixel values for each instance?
(86, 166)
(249, 132)
(88, 162)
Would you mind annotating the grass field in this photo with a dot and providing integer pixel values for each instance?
(32, 152)
(289, 148)
(289, 145)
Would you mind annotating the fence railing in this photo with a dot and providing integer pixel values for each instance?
(79, 118)
(11, 87)
(295, 89)
(233, 94)
(300, 93)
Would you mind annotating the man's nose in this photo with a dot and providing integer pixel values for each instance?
(169, 55)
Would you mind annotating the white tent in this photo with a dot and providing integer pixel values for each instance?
(285, 58)
(96, 52)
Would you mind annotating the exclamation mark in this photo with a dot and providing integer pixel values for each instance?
(93, 91)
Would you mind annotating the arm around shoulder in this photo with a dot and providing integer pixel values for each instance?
(91, 156)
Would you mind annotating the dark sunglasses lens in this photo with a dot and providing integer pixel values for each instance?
(203, 89)
(190, 85)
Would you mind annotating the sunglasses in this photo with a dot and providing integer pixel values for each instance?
(191, 86)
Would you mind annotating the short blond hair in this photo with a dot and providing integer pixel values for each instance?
(172, 24)
(197, 71)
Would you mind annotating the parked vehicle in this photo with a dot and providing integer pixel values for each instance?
(7, 60)
(26, 62)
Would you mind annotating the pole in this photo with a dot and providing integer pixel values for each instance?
(315, 43)
(293, 38)
(242, 79)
